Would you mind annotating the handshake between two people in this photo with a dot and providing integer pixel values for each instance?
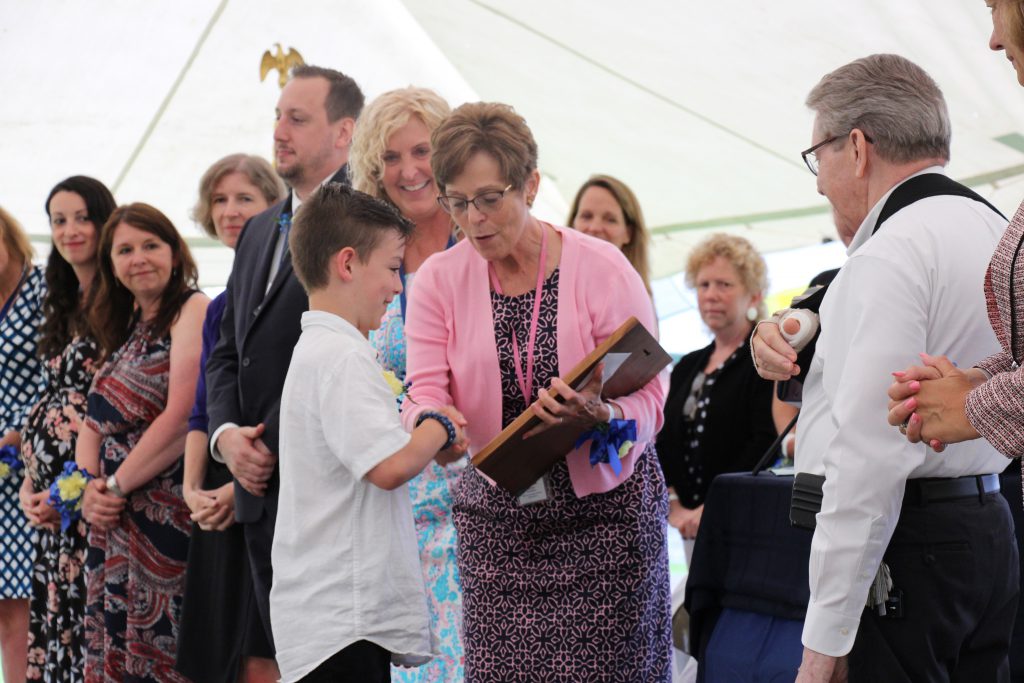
(927, 402)
(252, 463)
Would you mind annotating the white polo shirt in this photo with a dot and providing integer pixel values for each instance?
(346, 565)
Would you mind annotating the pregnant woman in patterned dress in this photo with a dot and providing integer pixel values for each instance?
(21, 297)
(572, 586)
(391, 161)
(77, 208)
(147, 319)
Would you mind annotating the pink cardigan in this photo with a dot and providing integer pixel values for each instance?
(452, 353)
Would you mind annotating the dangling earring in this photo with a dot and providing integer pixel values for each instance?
(752, 313)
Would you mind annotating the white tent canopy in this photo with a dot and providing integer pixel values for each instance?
(697, 106)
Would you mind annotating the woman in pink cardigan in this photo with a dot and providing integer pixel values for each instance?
(940, 404)
(571, 579)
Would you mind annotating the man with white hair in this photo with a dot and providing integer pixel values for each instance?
(913, 569)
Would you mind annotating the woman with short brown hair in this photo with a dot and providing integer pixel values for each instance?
(570, 583)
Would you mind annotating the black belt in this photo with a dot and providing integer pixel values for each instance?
(932, 490)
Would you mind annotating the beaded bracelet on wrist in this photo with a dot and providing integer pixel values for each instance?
(445, 422)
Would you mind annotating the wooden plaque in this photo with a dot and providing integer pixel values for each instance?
(516, 463)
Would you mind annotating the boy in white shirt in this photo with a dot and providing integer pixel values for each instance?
(348, 595)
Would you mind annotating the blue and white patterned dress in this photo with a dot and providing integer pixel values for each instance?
(21, 380)
(435, 533)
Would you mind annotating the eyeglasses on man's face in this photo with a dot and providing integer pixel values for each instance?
(810, 155)
(485, 202)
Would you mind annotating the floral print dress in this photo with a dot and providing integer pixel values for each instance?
(56, 641)
(135, 572)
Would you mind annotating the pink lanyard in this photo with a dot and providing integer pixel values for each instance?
(526, 384)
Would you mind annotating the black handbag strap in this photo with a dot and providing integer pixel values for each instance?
(768, 454)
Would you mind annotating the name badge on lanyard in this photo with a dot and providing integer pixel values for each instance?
(539, 491)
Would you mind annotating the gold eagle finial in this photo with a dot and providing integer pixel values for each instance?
(280, 61)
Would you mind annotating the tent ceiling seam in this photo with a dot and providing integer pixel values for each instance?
(990, 178)
(168, 97)
(639, 86)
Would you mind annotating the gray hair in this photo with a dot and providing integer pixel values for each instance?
(891, 99)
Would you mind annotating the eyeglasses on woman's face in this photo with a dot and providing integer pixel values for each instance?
(485, 202)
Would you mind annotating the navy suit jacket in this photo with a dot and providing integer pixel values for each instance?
(246, 371)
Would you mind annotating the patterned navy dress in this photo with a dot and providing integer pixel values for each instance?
(135, 572)
(570, 589)
(21, 379)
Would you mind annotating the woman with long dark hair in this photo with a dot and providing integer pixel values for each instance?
(77, 208)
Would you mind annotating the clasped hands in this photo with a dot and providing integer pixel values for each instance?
(212, 510)
(247, 456)
(36, 507)
(926, 401)
(100, 507)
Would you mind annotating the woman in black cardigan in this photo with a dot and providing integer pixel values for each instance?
(718, 412)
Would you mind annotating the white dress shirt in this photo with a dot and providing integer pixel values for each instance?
(916, 285)
(346, 564)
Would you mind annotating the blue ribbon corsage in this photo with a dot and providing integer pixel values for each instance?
(67, 492)
(610, 442)
(10, 462)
